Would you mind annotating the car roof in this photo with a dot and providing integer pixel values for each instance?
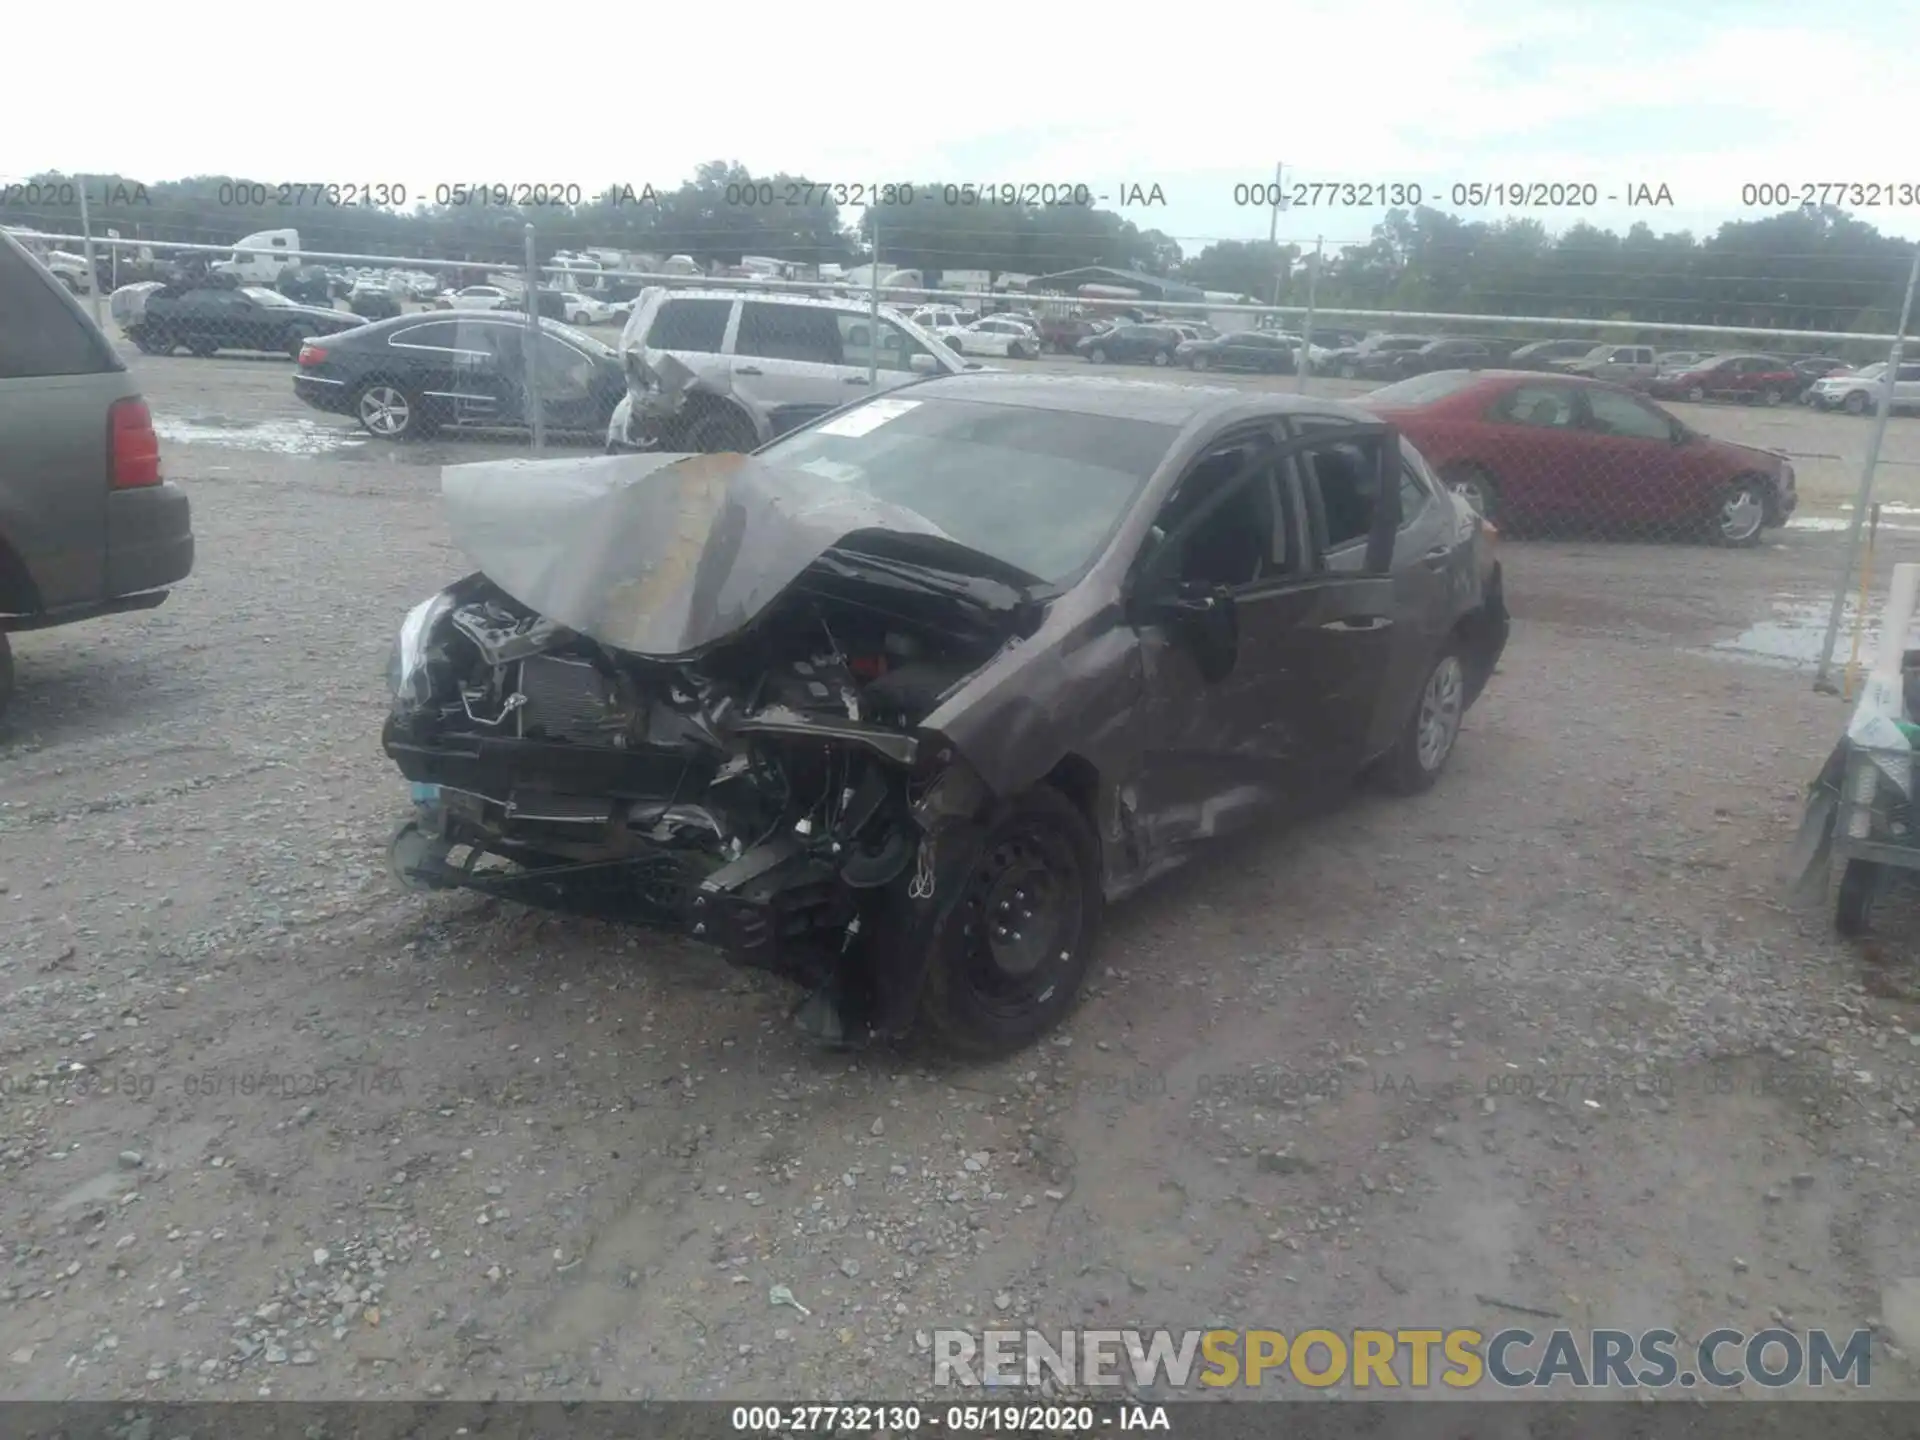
(816, 302)
(515, 318)
(1150, 400)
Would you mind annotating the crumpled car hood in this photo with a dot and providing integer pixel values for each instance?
(656, 555)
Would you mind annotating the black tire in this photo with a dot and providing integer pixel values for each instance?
(1163, 357)
(1856, 403)
(389, 410)
(6, 672)
(978, 1000)
(1432, 731)
(1349, 372)
(1740, 512)
(1770, 397)
(1097, 355)
(1853, 907)
(1697, 394)
(1477, 486)
(203, 348)
(721, 431)
(148, 343)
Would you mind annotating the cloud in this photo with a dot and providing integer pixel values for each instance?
(1702, 98)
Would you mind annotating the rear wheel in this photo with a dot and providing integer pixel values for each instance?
(1696, 393)
(1163, 357)
(1853, 907)
(582, 318)
(391, 411)
(1097, 355)
(1009, 965)
(1427, 742)
(148, 343)
(722, 431)
(1770, 397)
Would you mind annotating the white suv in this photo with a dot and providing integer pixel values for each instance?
(1858, 391)
(760, 365)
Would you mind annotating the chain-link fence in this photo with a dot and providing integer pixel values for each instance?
(1551, 425)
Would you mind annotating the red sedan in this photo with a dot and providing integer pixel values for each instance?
(1533, 450)
(1749, 379)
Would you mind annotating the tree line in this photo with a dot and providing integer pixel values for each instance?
(1800, 270)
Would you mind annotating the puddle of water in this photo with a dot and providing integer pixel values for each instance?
(276, 437)
(1791, 636)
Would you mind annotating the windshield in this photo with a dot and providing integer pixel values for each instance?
(1041, 490)
(265, 297)
(1423, 389)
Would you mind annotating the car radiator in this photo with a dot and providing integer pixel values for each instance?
(566, 700)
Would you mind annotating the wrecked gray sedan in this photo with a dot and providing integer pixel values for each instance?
(895, 705)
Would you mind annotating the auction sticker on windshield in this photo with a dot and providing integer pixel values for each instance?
(867, 418)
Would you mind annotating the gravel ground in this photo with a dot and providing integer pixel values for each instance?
(269, 1127)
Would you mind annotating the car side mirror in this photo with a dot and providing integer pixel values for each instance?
(924, 365)
(1204, 618)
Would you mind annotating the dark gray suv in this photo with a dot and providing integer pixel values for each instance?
(87, 525)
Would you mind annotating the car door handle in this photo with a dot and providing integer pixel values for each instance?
(1437, 557)
(856, 379)
(1358, 625)
(748, 370)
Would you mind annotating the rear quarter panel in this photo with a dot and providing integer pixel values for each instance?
(53, 480)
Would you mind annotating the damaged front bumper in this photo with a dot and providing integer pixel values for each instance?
(856, 923)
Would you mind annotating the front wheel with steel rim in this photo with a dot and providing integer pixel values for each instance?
(1421, 753)
(1696, 394)
(1097, 355)
(1009, 961)
(1740, 513)
(1855, 403)
(1853, 907)
(389, 411)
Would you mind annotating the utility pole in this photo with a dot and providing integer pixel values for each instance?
(1273, 224)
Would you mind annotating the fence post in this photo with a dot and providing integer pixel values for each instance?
(1303, 366)
(86, 237)
(536, 402)
(1822, 679)
(873, 308)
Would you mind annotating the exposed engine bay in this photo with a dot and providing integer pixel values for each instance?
(764, 795)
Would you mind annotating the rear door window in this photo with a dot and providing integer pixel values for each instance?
(696, 325)
(40, 333)
(788, 332)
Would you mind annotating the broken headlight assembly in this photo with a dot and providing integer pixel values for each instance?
(407, 678)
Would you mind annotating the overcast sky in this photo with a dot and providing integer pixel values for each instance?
(1703, 97)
